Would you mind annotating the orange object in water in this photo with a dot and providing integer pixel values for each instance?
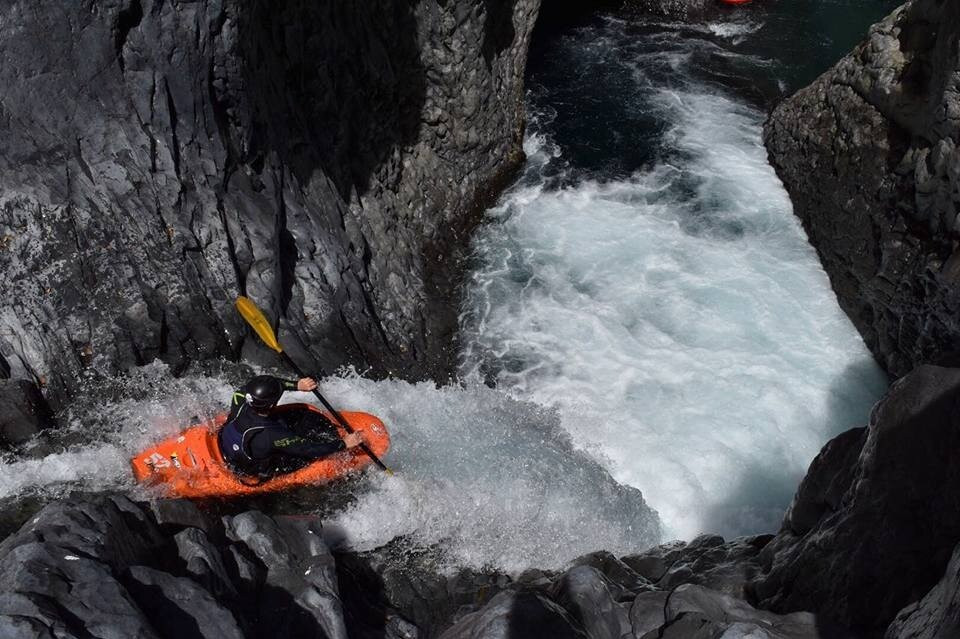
(190, 464)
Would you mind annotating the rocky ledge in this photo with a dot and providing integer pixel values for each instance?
(106, 567)
(325, 159)
(868, 548)
(869, 156)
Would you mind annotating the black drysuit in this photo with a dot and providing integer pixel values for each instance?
(278, 442)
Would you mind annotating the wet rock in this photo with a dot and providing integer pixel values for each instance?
(937, 615)
(647, 612)
(707, 560)
(204, 563)
(62, 570)
(725, 613)
(586, 594)
(325, 159)
(176, 606)
(396, 582)
(625, 581)
(173, 515)
(24, 412)
(868, 155)
(828, 478)
(300, 595)
(888, 539)
(691, 611)
(516, 614)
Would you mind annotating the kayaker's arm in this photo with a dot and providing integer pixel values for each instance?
(267, 443)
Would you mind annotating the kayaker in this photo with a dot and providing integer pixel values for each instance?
(258, 441)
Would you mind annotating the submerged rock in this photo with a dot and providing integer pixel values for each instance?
(868, 155)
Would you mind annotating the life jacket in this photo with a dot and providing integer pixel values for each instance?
(235, 438)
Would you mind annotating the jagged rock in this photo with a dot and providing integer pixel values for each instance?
(102, 566)
(23, 412)
(516, 614)
(175, 514)
(647, 612)
(726, 613)
(868, 156)
(204, 563)
(937, 615)
(826, 481)
(625, 581)
(395, 582)
(300, 596)
(691, 612)
(886, 542)
(176, 606)
(586, 594)
(707, 560)
(326, 159)
(62, 570)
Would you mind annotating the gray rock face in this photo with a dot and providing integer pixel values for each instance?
(937, 615)
(23, 412)
(868, 155)
(861, 543)
(325, 159)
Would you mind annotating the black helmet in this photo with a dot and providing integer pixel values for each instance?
(264, 391)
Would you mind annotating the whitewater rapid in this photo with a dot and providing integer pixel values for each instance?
(489, 480)
(662, 329)
(676, 317)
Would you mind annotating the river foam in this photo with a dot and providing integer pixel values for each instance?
(676, 317)
(484, 479)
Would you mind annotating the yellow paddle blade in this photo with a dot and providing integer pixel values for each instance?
(256, 319)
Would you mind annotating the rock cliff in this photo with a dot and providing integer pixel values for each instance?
(868, 155)
(326, 159)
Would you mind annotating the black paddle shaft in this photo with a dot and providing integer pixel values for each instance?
(333, 411)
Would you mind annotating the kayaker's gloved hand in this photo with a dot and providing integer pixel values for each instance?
(306, 384)
(352, 440)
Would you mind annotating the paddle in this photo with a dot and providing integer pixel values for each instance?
(261, 326)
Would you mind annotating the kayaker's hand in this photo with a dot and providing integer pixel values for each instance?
(306, 384)
(352, 440)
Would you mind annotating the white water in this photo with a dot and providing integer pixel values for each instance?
(495, 481)
(673, 329)
(677, 320)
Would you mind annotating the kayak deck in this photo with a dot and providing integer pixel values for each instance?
(191, 465)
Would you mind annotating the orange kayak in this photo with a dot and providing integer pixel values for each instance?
(190, 464)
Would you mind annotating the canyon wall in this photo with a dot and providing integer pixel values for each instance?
(157, 159)
(869, 156)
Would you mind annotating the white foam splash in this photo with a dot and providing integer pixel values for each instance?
(678, 319)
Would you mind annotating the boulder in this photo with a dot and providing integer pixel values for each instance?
(586, 594)
(886, 527)
(868, 154)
